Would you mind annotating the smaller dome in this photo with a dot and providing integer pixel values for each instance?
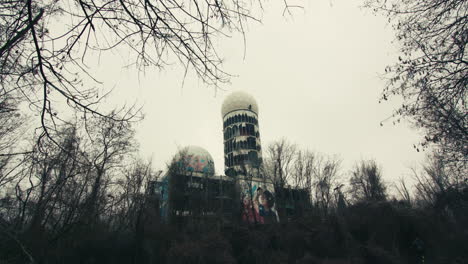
(196, 159)
(239, 101)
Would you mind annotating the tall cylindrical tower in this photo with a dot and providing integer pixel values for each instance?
(243, 157)
(242, 148)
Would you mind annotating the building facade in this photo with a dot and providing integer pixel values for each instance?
(190, 190)
(242, 145)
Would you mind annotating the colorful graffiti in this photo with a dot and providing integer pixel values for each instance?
(258, 203)
(194, 163)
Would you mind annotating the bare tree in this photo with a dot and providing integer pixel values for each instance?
(177, 187)
(366, 183)
(303, 169)
(316, 173)
(106, 145)
(64, 187)
(12, 128)
(326, 174)
(404, 191)
(280, 162)
(437, 178)
(127, 201)
(432, 71)
(45, 63)
(45, 195)
(302, 179)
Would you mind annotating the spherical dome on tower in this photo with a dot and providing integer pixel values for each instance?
(239, 101)
(196, 159)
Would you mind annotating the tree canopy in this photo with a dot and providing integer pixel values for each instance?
(46, 46)
(431, 74)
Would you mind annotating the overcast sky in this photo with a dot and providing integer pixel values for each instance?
(315, 77)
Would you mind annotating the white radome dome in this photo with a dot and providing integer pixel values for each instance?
(239, 101)
(197, 159)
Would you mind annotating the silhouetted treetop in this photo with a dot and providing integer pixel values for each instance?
(432, 71)
(46, 47)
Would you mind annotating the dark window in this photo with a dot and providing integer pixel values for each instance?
(253, 157)
(250, 129)
(251, 142)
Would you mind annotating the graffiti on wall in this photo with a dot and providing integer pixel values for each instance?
(194, 163)
(258, 203)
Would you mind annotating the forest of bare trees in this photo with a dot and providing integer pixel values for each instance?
(89, 201)
(73, 188)
(56, 199)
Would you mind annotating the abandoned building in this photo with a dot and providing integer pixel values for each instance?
(190, 190)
